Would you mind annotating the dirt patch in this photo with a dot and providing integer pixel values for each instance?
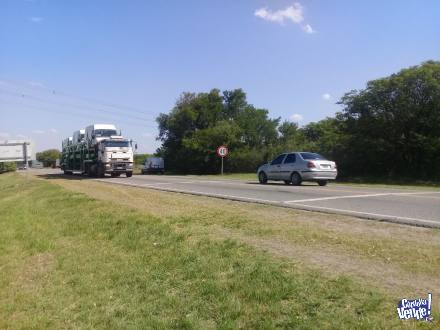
(390, 277)
(33, 272)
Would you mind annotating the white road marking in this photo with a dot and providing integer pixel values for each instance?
(358, 196)
(366, 213)
(334, 197)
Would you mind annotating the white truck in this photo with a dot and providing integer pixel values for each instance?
(101, 150)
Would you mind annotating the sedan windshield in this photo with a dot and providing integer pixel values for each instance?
(116, 144)
(311, 156)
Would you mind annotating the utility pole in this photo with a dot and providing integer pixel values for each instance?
(25, 154)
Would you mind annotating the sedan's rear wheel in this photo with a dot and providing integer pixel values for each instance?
(262, 177)
(322, 182)
(296, 179)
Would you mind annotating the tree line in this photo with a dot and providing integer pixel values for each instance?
(390, 129)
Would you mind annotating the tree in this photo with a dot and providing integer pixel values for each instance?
(393, 126)
(48, 157)
(199, 123)
(390, 128)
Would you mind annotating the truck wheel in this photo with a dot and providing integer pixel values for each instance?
(100, 173)
(129, 174)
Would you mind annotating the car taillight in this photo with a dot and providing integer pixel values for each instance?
(311, 165)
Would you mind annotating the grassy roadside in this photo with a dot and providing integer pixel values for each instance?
(160, 260)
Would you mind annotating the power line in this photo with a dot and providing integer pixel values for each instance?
(39, 99)
(59, 112)
(87, 99)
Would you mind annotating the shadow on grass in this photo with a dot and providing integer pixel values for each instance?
(61, 176)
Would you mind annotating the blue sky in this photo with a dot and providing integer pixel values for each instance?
(66, 64)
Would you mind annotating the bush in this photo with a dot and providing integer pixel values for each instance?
(8, 167)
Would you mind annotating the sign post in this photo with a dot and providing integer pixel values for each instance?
(222, 152)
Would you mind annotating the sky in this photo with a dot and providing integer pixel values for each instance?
(67, 64)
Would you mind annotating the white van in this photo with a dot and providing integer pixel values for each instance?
(153, 165)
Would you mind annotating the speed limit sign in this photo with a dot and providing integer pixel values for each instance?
(222, 151)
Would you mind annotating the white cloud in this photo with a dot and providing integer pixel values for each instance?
(36, 84)
(20, 136)
(53, 130)
(36, 19)
(38, 131)
(308, 29)
(4, 135)
(326, 96)
(296, 117)
(293, 13)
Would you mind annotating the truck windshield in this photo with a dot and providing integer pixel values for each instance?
(105, 132)
(116, 144)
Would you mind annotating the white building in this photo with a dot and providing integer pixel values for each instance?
(18, 151)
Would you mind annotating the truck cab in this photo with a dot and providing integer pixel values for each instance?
(116, 155)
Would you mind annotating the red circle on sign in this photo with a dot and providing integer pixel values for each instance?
(222, 151)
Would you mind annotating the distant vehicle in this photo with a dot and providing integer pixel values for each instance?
(37, 164)
(296, 167)
(97, 150)
(153, 165)
(22, 167)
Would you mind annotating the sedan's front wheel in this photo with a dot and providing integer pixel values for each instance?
(262, 178)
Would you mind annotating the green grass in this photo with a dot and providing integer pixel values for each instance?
(70, 261)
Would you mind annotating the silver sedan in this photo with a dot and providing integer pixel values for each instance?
(296, 167)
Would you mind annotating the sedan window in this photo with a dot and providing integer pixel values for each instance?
(278, 160)
(290, 159)
(311, 156)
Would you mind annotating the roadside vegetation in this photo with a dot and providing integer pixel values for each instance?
(48, 157)
(389, 130)
(83, 254)
(7, 167)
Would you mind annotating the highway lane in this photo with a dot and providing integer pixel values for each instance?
(409, 206)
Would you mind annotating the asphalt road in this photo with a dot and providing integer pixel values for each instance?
(420, 207)
(409, 206)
